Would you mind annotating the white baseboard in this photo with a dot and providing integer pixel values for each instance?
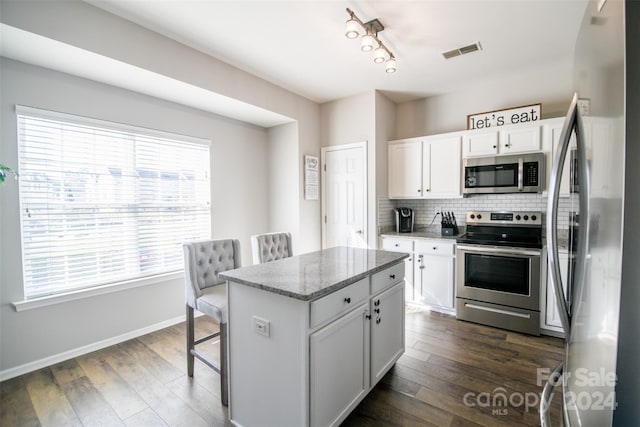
(56, 358)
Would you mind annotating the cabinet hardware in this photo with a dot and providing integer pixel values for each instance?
(378, 320)
(367, 316)
(392, 276)
(494, 146)
(376, 303)
(347, 300)
(377, 310)
(435, 248)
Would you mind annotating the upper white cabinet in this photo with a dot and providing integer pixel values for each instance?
(477, 143)
(504, 140)
(555, 129)
(427, 167)
(405, 169)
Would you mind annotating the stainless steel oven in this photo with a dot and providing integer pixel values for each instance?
(498, 267)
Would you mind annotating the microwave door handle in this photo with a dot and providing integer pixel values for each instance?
(520, 174)
(552, 215)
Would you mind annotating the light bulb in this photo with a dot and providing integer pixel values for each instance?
(351, 30)
(379, 55)
(390, 67)
(367, 43)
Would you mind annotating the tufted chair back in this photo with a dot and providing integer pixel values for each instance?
(270, 246)
(204, 260)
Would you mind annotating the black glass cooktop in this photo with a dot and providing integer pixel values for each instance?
(520, 237)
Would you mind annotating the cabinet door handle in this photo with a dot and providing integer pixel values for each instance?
(428, 189)
(378, 320)
(392, 276)
(347, 300)
(377, 310)
(494, 146)
(435, 248)
(367, 316)
(397, 244)
(419, 190)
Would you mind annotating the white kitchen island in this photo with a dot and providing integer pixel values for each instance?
(311, 335)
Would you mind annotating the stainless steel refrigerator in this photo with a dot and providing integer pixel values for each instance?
(598, 301)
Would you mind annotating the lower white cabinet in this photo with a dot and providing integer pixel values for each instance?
(551, 317)
(429, 272)
(404, 246)
(434, 272)
(387, 318)
(339, 367)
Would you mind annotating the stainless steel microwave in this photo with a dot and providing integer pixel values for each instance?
(522, 173)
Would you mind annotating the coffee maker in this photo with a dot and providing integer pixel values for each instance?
(404, 220)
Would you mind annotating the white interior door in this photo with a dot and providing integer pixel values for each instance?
(344, 193)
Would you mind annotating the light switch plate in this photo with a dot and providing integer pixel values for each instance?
(261, 326)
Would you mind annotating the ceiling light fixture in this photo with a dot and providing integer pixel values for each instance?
(370, 40)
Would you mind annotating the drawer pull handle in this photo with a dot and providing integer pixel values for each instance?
(376, 303)
(367, 316)
(377, 310)
(392, 276)
(435, 248)
(397, 244)
(347, 300)
(378, 320)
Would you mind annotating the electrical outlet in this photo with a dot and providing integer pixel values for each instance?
(261, 326)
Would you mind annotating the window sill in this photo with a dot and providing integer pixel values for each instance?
(48, 300)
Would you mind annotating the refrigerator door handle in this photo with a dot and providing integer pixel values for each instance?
(552, 214)
(545, 397)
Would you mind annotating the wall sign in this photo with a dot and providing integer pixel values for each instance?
(511, 116)
(311, 164)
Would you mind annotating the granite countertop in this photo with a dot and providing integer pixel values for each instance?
(311, 276)
(432, 232)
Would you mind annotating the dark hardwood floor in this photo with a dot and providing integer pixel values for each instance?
(453, 373)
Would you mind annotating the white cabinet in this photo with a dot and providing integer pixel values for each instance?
(404, 246)
(405, 169)
(425, 167)
(504, 140)
(551, 317)
(441, 166)
(555, 130)
(339, 362)
(434, 272)
(387, 319)
(480, 143)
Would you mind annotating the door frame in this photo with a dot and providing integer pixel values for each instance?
(365, 181)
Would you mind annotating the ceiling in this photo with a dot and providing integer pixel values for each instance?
(300, 44)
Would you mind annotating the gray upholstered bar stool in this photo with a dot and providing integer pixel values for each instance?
(270, 247)
(207, 293)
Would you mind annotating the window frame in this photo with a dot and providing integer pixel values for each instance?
(118, 283)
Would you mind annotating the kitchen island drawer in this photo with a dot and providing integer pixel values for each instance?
(397, 245)
(387, 277)
(435, 247)
(339, 301)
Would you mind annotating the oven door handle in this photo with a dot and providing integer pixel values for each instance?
(500, 251)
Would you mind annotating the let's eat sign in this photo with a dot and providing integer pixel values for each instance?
(511, 116)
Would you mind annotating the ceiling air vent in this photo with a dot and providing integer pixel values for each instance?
(462, 50)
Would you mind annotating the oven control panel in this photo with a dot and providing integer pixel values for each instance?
(505, 218)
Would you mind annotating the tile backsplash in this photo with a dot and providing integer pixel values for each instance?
(426, 209)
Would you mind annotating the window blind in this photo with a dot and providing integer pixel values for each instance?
(103, 203)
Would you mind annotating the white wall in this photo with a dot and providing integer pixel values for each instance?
(550, 85)
(239, 189)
